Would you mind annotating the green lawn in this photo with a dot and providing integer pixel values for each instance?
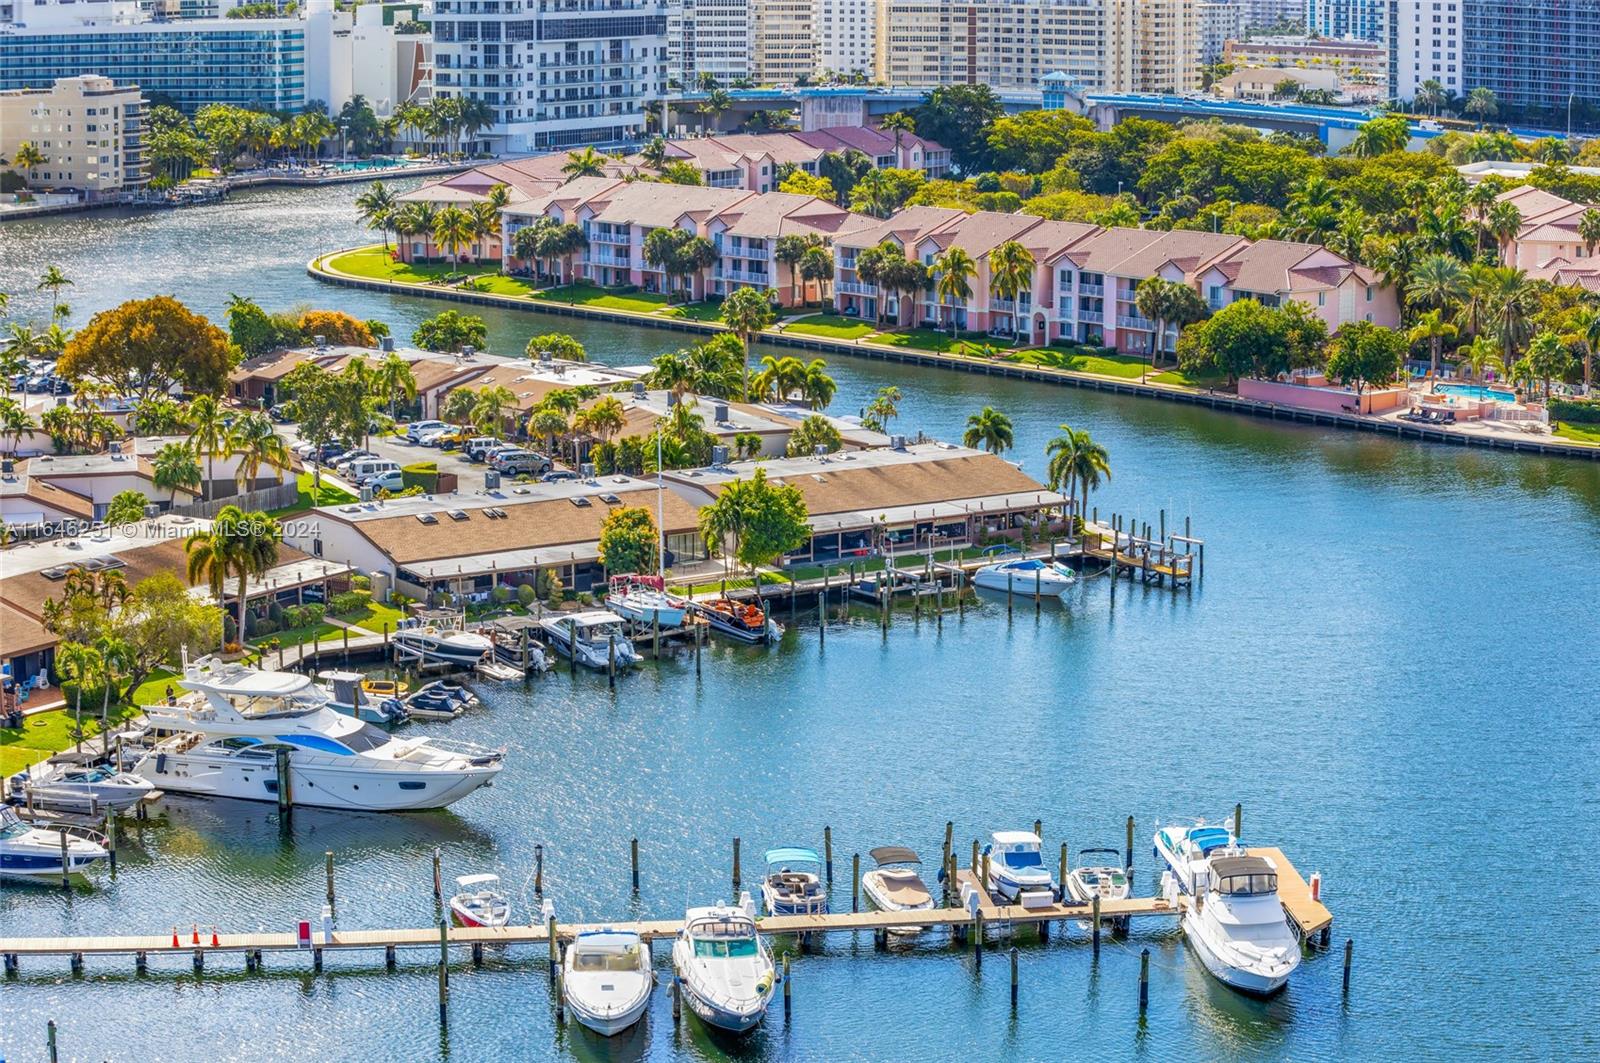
(153, 689)
(329, 495)
(376, 263)
(736, 583)
(294, 636)
(47, 733)
(605, 298)
(1084, 360)
(926, 339)
(695, 311)
(832, 326)
(1187, 379)
(1579, 433)
(373, 616)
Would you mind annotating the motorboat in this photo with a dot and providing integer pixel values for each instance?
(1187, 851)
(644, 600)
(895, 885)
(724, 969)
(1016, 866)
(1238, 927)
(606, 979)
(27, 851)
(515, 644)
(1026, 575)
(437, 637)
(381, 689)
(790, 887)
(479, 902)
(348, 693)
(225, 737)
(439, 700)
(75, 786)
(1108, 881)
(738, 620)
(593, 637)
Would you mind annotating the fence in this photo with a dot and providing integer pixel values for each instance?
(263, 498)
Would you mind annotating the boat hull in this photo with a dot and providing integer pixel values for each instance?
(611, 1021)
(1251, 983)
(438, 651)
(723, 1018)
(669, 615)
(311, 786)
(26, 865)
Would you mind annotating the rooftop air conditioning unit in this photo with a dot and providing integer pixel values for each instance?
(638, 389)
(820, 450)
(719, 412)
(366, 492)
(468, 351)
(321, 342)
(586, 470)
(386, 343)
(545, 358)
(151, 511)
(719, 455)
(897, 442)
(491, 480)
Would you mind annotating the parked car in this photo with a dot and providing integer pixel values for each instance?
(454, 437)
(283, 412)
(417, 429)
(476, 447)
(436, 437)
(558, 476)
(392, 480)
(521, 463)
(349, 458)
(367, 468)
(328, 452)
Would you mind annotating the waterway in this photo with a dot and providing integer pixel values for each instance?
(1391, 663)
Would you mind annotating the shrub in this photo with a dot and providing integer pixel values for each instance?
(424, 476)
(526, 594)
(262, 625)
(350, 602)
(230, 629)
(275, 612)
(1583, 411)
(361, 583)
(501, 593)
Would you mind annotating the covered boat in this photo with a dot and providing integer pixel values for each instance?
(606, 979)
(1026, 575)
(792, 885)
(1238, 927)
(896, 885)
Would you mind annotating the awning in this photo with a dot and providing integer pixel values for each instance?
(894, 854)
(793, 855)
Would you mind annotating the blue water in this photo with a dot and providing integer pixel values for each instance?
(1423, 736)
(1476, 391)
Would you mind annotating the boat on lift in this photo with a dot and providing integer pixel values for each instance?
(71, 786)
(439, 700)
(517, 643)
(226, 739)
(436, 637)
(724, 968)
(1237, 924)
(1187, 852)
(644, 600)
(478, 902)
(1016, 866)
(896, 885)
(606, 978)
(738, 620)
(1025, 575)
(592, 637)
(30, 852)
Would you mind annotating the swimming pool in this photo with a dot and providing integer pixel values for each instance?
(1475, 391)
(367, 164)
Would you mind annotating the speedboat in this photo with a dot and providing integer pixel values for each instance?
(644, 600)
(348, 693)
(896, 885)
(593, 637)
(606, 978)
(439, 639)
(1186, 852)
(1016, 866)
(738, 620)
(27, 851)
(1025, 575)
(790, 889)
(515, 645)
(1109, 882)
(725, 972)
(226, 736)
(1238, 928)
(53, 785)
(479, 902)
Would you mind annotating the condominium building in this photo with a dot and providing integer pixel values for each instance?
(1267, 14)
(917, 44)
(554, 73)
(846, 32)
(1424, 44)
(1533, 54)
(1357, 62)
(1362, 19)
(1151, 46)
(89, 131)
(715, 37)
(783, 45)
(1218, 24)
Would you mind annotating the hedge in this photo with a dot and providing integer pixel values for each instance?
(424, 474)
(1583, 411)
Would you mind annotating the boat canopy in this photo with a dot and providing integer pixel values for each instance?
(793, 855)
(1244, 876)
(894, 854)
(1015, 838)
(468, 881)
(612, 941)
(1208, 838)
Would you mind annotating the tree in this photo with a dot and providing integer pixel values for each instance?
(240, 544)
(842, 169)
(665, 248)
(585, 163)
(629, 541)
(208, 434)
(1589, 229)
(395, 379)
(53, 281)
(145, 347)
(1437, 282)
(900, 124)
(562, 241)
(1433, 329)
(1482, 104)
(336, 327)
(957, 116)
(557, 345)
(1011, 268)
(1244, 338)
(1548, 357)
(680, 172)
(789, 250)
(654, 153)
(817, 387)
(453, 229)
(884, 408)
(79, 665)
(15, 422)
(748, 312)
(801, 183)
(1076, 463)
(816, 267)
(1512, 301)
(954, 271)
(26, 159)
(450, 331)
(777, 379)
(548, 422)
(1363, 355)
(762, 520)
(175, 468)
(377, 206)
(989, 429)
(602, 420)
(127, 507)
(1430, 96)
(254, 442)
(813, 432)
(1380, 136)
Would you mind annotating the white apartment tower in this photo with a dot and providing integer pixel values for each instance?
(1424, 42)
(784, 41)
(556, 74)
(1151, 46)
(1218, 24)
(715, 37)
(846, 32)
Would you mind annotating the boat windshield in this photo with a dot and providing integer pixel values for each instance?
(12, 827)
(624, 959)
(1248, 885)
(264, 706)
(1023, 858)
(724, 948)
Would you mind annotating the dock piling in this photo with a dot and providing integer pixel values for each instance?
(141, 962)
(1238, 822)
(1038, 828)
(66, 864)
(1349, 950)
(50, 1039)
(1011, 579)
(75, 961)
(787, 982)
(736, 867)
(1061, 877)
(1096, 925)
(477, 954)
(111, 838)
(1144, 981)
(949, 837)
(977, 940)
(328, 855)
(316, 959)
(444, 972)
(855, 883)
(635, 851)
(677, 999)
(698, 630)
(1013, 978)
(389, 957)
(1128, 864)
(827, 852)
(199, 961)
(560, 999)
(438, 882)
(611, 661)
(285, 799)
(555, 947)
(538, 870)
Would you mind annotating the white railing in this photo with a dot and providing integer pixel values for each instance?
(1091, 289)
(856, 288)
(1092, 316)
(1126, 321)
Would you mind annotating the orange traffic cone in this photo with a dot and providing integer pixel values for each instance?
(214, 942)
(194, 929)
(174, 937)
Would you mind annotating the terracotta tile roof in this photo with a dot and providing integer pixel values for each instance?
(907, 227)
(1264, 266)
(655, 205)
(429, 373)
(1101, 251)
(776, 214)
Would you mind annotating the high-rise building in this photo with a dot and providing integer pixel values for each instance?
(783, 41)
(1151, 46)
(554, 73)
(1534, 55)
(917, 44)
(846, 32)
(1218, 24)
(1267, 14)
(1424, 44)
(89, 131)
(1362, 19)
(715, 37)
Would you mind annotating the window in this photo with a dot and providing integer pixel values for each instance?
(1369, 293)
(1322, 298)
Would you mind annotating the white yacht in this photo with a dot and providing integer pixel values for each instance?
(437, 637)
(33, 852)
(1025, 576)
(1238, 928)
(1109, 881)
(896, 885)
(606, 979)
(226, 736)
(725, 971)
(1187, 852)
(644, 600)
(592, 636)
(1016, 865)
(53, 785)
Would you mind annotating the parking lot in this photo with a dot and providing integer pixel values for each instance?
(403, 452)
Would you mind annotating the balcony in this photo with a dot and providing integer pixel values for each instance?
(1092, 289)
(610, 238)
(604, 258)
(1128, 321)
(743, 277)
(1093, 317)
(855, 288)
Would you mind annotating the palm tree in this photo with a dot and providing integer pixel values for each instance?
(415, 219)
(817, 387)
(492, 409)
(254, 442)
(1504, 222)
(989, 429)
(789, 250)
(26, 159)
(395, 379)
(208, 434)
(1433, 328)
(748, 312)
(585, 163)
(547, 422)
(485, 223)
(453, 229)
(713, 106)
(563, 241)
(955, 270)
(211, 559)
(1437, 282)
(1481, 104)
(53, 281)
(1076, 462)
(175, 468)
(654, 153)
(604, 419)
(79, 665)
(778, 378)
(1010, 274)
(15, 421)
(116, 661)
(1589, 229)
(816, 266)
(377, 207)
(899, 123)
(1587, 325)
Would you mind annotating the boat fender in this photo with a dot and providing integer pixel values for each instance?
(764, 983)
(161, 763)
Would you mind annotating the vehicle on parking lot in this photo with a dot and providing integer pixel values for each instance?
(391, 480)
(558, 476)
(350, 457)
(324, 454)
(417, 429)
(453, 437)
(521, 463)
(477, 446)
(440, 437)
(365, 469)
(500, 448)
(283, 412)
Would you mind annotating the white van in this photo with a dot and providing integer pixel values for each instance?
(417, 429)
(366, 468)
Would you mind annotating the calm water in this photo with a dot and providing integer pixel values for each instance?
(1391, 664)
